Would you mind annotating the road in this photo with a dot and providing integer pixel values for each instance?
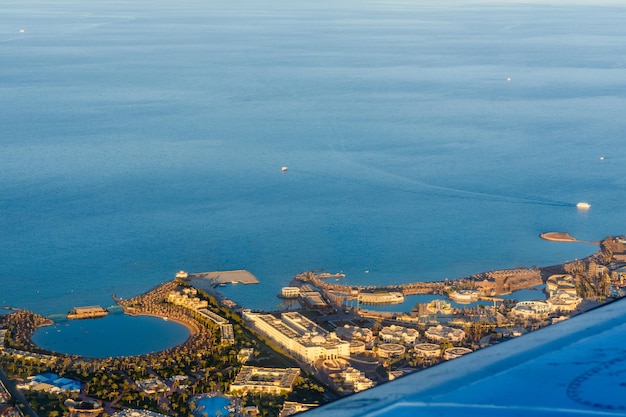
(17, 395)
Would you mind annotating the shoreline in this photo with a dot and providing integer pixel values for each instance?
(193, 329)
(145, 300)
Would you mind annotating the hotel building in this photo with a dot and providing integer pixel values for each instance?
(440, 333)
(304, 339)
(398, 334)
(428, 350)
(265, 380)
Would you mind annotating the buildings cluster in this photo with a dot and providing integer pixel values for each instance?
(306, 294)
(464, 296)
(245, 354)
(562, 296)
(151, 385)
(291, 407)
(264, 380)
(304, 339)
(427, 350)
(352, 380)
(226, 329)
(439, 307)
(398, 334)
(440, 333)
(28, 355)
(390, 350)
(187, 297)
(50, 382)
(353, 333)
(455, 352)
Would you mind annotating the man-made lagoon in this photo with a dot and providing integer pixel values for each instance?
(111, 336)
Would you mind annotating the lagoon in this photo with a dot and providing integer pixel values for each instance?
(111, 336)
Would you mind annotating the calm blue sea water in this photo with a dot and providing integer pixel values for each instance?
(140, 139)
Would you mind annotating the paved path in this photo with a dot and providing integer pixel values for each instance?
(17, 395)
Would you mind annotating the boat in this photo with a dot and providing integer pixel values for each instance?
(283, 169)
(583, 205)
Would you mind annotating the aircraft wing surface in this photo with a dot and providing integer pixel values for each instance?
(573, 368)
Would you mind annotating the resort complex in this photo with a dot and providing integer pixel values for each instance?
(301, 337)
(289, 361)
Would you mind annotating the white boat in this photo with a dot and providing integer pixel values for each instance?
(284, 169)
(583, 206)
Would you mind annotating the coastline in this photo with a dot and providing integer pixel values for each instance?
(150, 302)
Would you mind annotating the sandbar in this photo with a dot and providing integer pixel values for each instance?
(558, 237)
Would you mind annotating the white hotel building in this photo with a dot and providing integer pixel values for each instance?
(300, 336)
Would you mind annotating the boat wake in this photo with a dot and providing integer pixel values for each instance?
(374, 177)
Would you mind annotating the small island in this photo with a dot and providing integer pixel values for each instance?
(283, 362)
(558, 237)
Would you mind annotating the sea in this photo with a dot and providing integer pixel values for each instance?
(423, 140)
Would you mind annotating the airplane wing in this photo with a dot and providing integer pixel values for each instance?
(573, 368)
